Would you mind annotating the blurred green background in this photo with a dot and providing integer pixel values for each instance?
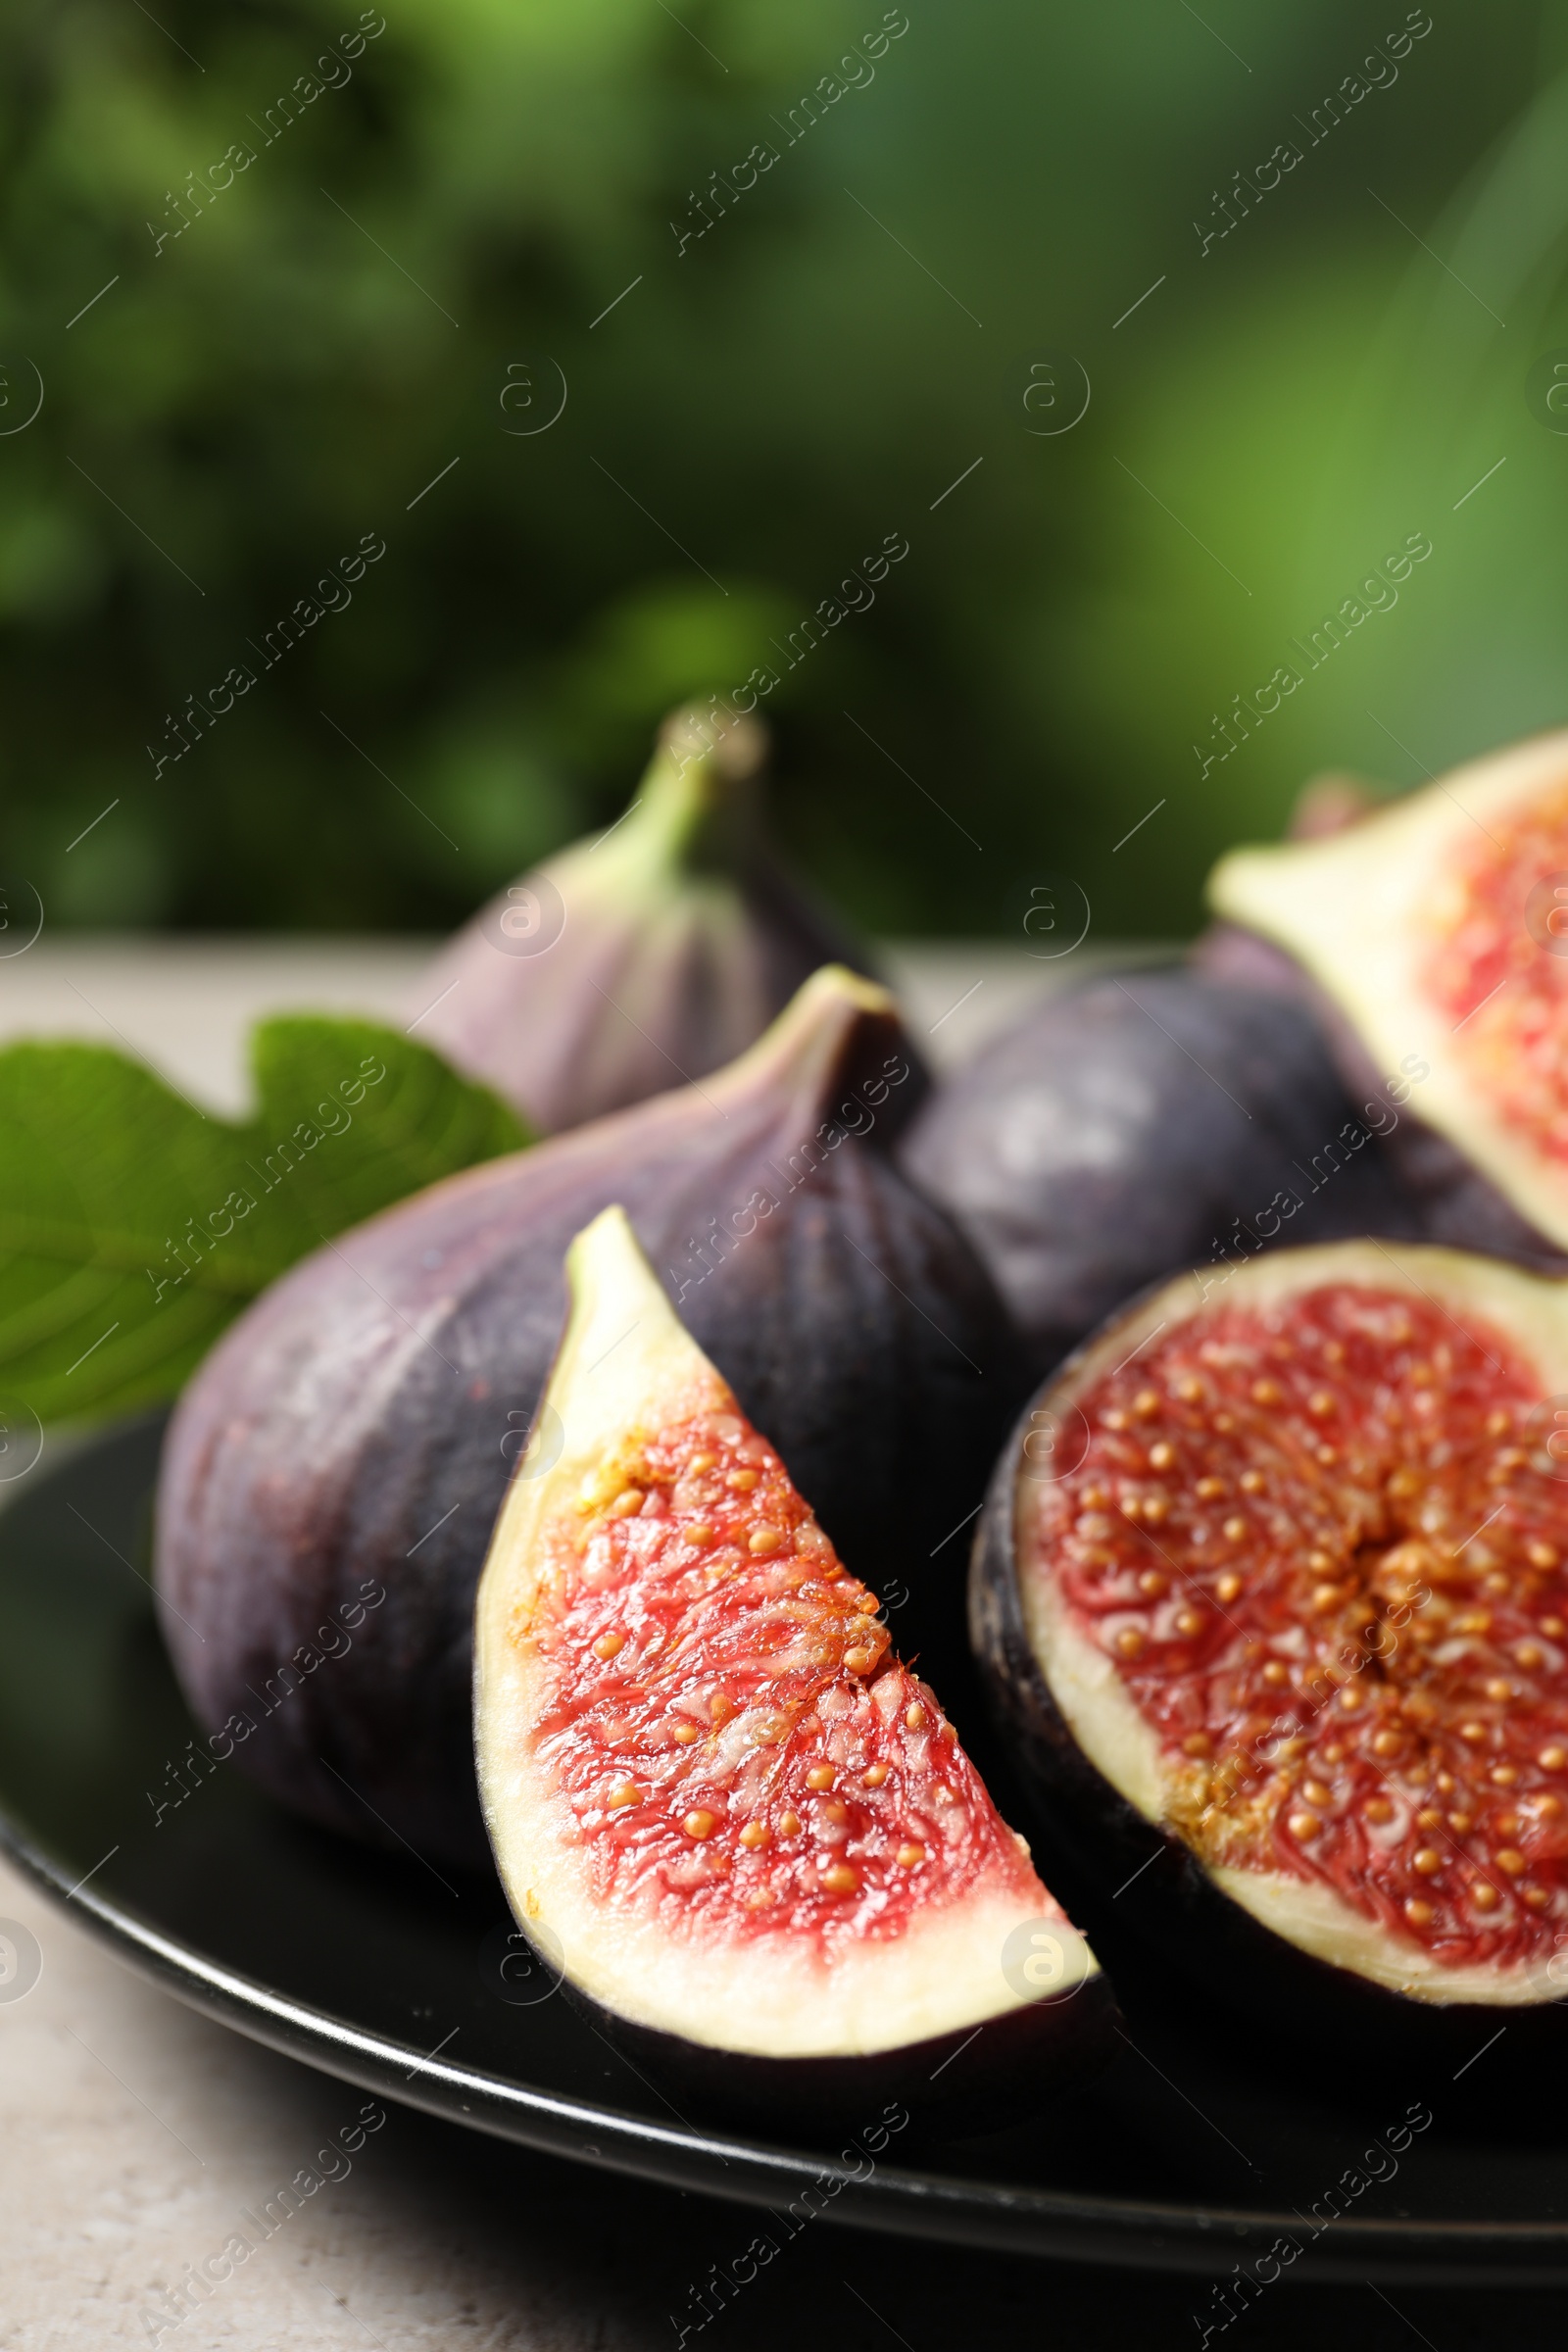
(335, 327)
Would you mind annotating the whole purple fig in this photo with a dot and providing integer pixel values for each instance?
(642, 959)
(1134, 1126)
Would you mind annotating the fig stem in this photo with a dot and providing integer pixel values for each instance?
(699, 804)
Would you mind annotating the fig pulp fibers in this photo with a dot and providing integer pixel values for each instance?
(1323, 1544)
(1497, 963)
(737, 1747)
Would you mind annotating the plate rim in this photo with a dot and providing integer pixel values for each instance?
(897, 2200)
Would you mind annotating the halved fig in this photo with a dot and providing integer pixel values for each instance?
(718, 1802)
(1277, 1565)
(1436, 932)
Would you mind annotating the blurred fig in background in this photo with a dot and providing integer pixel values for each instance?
(644, 957)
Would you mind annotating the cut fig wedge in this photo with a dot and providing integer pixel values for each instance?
(1438, 929)
(726, 1812)
(1277, 1565)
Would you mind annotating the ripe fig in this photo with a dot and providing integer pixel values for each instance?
(640, 960)
(1433, 936)
(720, 1805)
(359, 1421)
(1272, 1586)
(1138, 1124)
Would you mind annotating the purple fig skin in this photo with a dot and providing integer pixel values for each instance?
(1449, 1201)
(360, 1420)
(1164, 1899)
(1126, 1129)
(681, 937)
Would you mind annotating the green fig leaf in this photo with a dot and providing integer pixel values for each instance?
(134, 1225)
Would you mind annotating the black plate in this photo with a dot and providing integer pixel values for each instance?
(1193, 2152)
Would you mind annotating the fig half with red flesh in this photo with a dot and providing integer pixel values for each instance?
(1437, 930)
(1277, 1564)
(718, 1802)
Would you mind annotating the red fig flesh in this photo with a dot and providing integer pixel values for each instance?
(717, 1798)
(640, 960)
(1282, 1570)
